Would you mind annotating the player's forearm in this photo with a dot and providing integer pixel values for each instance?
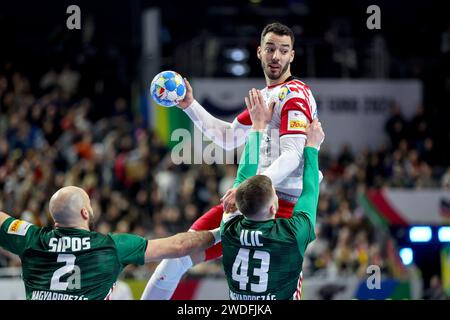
(222, 133)
(190, 242)
(288, 161)
(248, 164)
(307, 203)
(180, 245)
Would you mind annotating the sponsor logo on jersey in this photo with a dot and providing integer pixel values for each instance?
(19, 227)
(283, 93)
(297, 125)
(296, 121)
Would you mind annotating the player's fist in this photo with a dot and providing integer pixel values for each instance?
(229, 200)
(314, 134)
(188, 98)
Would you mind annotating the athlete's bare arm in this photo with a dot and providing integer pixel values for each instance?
(179, 245)
(227, 135)
(3, 217)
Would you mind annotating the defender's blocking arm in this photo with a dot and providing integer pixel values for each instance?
(180, 245)
(248, 165)
(307, 203)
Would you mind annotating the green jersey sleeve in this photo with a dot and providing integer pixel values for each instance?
(303, 218)
(15, 234)
(130, 248)
(248, 164)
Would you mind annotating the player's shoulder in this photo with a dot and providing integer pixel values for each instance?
(284, 229)
(293, 88)
(294, 81)
(231, 225)
(125, 239)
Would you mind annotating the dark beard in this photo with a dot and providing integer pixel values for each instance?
(91, 223)
(273, 77)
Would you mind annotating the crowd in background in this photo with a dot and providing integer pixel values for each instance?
(49, 140)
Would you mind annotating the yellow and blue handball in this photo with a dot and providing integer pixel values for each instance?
(168, 88)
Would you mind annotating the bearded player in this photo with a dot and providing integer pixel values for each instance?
(289, 107)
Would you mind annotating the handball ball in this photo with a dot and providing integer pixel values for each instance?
(168, 88)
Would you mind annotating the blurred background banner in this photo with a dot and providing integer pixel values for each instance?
(410, 207)
(344, 106)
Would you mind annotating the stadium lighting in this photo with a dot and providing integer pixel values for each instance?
(407, 256)
(237, 54)
(420, 234)
(444, 234)
(237, 69)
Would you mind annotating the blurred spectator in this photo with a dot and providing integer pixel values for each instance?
(435, 290)
(445, 180)
(396, 126)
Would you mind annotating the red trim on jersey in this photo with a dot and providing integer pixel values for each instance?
(296, 81)
(294, 85)
(298, 86)
(298, 291)
(294, 103)
(278, 84)
(244, 118)
(108, 296)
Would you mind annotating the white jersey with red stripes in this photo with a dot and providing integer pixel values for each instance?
(294, 110)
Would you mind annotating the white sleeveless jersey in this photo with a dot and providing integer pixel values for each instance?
(294, 110)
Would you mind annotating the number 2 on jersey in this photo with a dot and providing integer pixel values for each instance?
(74, 281)
(240, 270)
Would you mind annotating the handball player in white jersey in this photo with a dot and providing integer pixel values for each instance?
(291, 107)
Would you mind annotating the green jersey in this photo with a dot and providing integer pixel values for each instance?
(67, 263)
(263, 259)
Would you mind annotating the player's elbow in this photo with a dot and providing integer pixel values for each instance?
(185, 248)
(180, 249)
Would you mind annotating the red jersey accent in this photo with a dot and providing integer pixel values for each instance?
(297, 126)
(244, 118)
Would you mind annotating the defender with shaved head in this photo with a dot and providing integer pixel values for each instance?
(71, 262)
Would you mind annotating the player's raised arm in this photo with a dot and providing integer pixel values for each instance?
(180, 245)
(3, 217)
(307, 203)
(228, 135)
(260, 115)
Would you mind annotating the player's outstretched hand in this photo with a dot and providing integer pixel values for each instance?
(188, 98)
(259, 112)
(314, 134)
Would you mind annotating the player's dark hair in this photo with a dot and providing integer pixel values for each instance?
(254, 194)
(278, 29)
